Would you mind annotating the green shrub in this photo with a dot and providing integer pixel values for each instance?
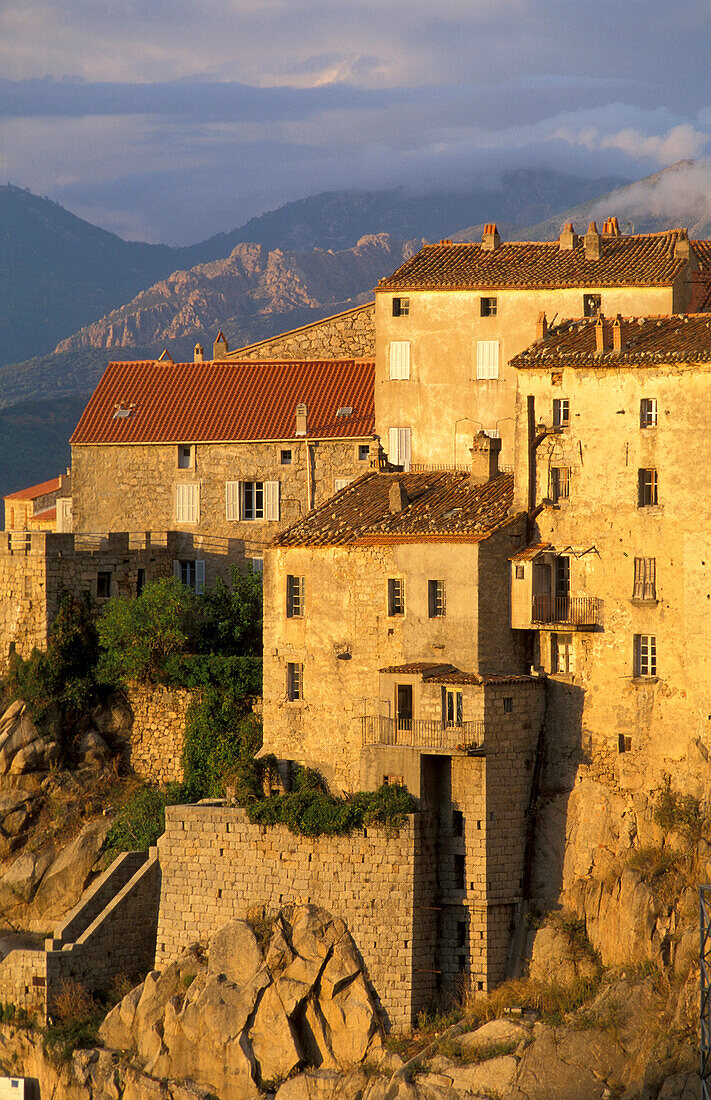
(139, 635)
(681, 814)
(221, 737)
(141, 820)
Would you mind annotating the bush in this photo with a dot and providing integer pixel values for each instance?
(681, 814)
(139, 635)
(221, 738)
(309, 810)
(140, 821)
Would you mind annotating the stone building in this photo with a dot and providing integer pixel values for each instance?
(43, 507)
(613, 590)
(347, 335)
(232, 451)
(452, 317)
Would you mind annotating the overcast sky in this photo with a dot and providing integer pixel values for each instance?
(171, 120)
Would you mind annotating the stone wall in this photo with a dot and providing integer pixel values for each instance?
(122, 488)
(155, 741)
(349, 335)
(215, 866)
(23, 980)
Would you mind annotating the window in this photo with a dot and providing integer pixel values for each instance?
(459, 872)
(508, 704)
(645, 579)
(257, 565)
(647, 488)
(520, 572)
(400, 359)
(451, 708)
(341, 482)
(591, 304)
(436, 599)
(645, 655)
(561, 412)
(624, 743)
(185, 456)
(562, 656)
(487, 358)
(294, 682)
(191, 574)
(562, 576)
(401, 307)
(140, 581)
(648, 412)
(394, 780)
(285, 458)
(363, 452)
(294, 597)
(396, 596)
(488, 307)
(250, 500)
(103, 585)
(186, 503)
(400, 446)
(457, 823)
(560, 483)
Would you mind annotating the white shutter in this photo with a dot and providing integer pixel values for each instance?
(232, 498)
(400, 359)
(404, 447)
(199, 577)
(393, 446)
(186, 503)
(487, 358)
(271, 500)
(176, 570)
(341, 482)
(240, 499)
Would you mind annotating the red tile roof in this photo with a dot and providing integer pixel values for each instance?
(530, 552)
(36, 490)
(442, 507)
(679, 338)
(449, 674)
(46, 516)
(228, 401)
(642, 260)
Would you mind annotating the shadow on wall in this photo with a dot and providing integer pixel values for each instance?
(563, 755)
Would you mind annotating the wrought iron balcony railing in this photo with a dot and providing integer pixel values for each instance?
(567, 610)
(420, 733)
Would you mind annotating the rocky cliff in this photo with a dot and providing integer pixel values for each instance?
(251, 282)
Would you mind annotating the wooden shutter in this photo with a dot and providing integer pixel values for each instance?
(176, 570)
(393, 446)
(271, 500)
(199, 576)
(400, 359)
(487, 359)
(232, 499)
(404, 447)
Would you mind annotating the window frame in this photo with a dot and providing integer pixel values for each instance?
(363, 452)
(644, 585)
(592, 305)
(283, 460)
(452, 708)
(186, 462)
(399, 441)
(645, 657)
(396, 597)
(562, 653)
(341, 483)
(294, 681)
(559, 485)
(295, 596)
(187, 502)
(561, 412)
(647, 413)
(399, 360)
(488, 306)
(103, 577)
(400, 307)
(488, 365)
(647, 487)
(236, 498)
(436, 599)
(184, 567)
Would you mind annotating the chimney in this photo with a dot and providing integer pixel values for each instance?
(220, 347)
(682, 248)
(485, 459)
(301, 414)
(541, 327)
(611, 228)
(164, 357)
(568, 239)
(397, 497)
(600, 335)
(617, 344)
(198, 353)
(593, 243)
(490, 239)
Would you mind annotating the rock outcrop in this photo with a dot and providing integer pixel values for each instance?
(240, 1018)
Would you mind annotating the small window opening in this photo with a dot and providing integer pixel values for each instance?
(363, 452)
(285, 457)
(591, 304)
(459, 870)
(489, 307)
(508, 704)
(103, 585)
(185, 456)
(401, 307)
(457, 823)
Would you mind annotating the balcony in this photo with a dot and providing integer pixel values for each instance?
(570, 611)
(419, 733)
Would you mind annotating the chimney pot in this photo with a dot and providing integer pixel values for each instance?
(397, 497)
(485, 459)
(617, 344)
(593, 243)
(220, 347)
(568, 239)
(600, 335)
(198, 354)
(541, 327)
(490, 240)
(301, 417)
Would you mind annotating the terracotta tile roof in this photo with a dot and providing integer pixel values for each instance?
(442, 506)
(161, 402)
(433, 673)
(46, 516)
(641, 260)
(36, 490)
(682, 338)
(530, 552)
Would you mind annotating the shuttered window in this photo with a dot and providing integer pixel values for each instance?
(186, 503)
(400, 446)
(232, 499)
(248, 500)
(400, 359)
(191, 574)
(487, 358)
(645, 579)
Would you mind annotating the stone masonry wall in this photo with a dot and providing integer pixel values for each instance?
(342, 336)
(23, 979)
(155, 747)
(216, 866)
